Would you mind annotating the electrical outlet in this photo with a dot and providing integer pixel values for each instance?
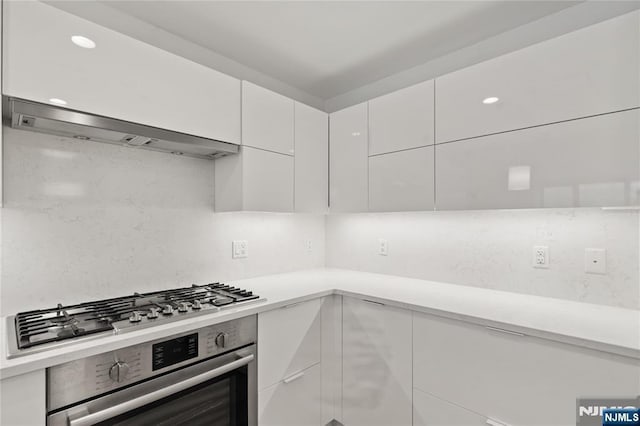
(308, 244)
(239, 249)
(540, 257)
(383, 247)
(595, 261)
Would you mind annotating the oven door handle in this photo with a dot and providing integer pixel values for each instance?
(140, 401)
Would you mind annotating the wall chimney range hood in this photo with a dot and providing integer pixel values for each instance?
(55, 120)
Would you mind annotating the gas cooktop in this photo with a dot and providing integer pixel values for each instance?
(42, 329)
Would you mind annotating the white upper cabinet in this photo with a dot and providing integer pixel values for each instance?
(348, 159)
(254, 180)
(590, 162)
(311, 159)
(402, 119)
(401, 181)
(590, 71)
(376, 366)
(121, 77)
(267, 119)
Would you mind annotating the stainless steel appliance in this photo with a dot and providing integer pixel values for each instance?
(56, 120)
(202, 377)
(40, 330)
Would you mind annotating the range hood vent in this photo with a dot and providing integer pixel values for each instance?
(50, 119)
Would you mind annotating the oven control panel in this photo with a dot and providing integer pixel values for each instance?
(84, 378)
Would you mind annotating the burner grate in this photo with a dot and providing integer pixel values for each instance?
(39, 327)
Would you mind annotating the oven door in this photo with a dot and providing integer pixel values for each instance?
(221, 391)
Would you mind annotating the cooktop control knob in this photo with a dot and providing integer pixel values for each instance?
(118, 371)
(167, 310)
(183, 307)
(153, 313)
(135, 317)
(196, 304)
(222, 339)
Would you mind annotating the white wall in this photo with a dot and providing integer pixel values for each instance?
(493, 249)
(84, 220)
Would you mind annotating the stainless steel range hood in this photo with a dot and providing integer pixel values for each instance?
(51, 119)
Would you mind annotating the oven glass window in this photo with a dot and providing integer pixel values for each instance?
(219, 402)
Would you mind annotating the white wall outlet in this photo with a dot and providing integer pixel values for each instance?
(239, 248)
(383, 247)
(308, 244)
(595, 261)
(540, 257)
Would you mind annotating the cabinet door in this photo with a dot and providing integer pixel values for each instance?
(121, 77)
(376, 386)
(401, 181)
(289, 341)
(23, 399)
(502, 375)
(431, 411)
(311, 159)
(402, 119)
(348, 159)
(590, 71)
(254, 180)
(295, 401)
(267, 119)
(589, 162)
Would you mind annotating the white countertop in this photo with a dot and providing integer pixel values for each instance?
(599, 327)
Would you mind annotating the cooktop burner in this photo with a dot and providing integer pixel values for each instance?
(40, 327)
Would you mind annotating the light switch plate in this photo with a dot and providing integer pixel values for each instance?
(595, 261)
(239, 249)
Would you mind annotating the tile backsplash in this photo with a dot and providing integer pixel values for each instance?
(493, 249)
(83, 220)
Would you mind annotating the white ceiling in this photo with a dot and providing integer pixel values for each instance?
(327, 48)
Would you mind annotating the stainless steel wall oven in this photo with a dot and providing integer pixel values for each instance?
(202, 377)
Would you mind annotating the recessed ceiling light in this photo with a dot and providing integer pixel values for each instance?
(82, 41)
(57, 101)
(490, 100)
(355, 134)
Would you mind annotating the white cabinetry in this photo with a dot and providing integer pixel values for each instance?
(590, 71)
(121, 77)
(311, 159)
(376, 387)
(267, 119)
(402, 181)
(588, 162)
(294, 401)
(254, 180)
(289, 368)
(501, 375)
(431, 411)
(23, 399)
(348, 159)
(402, 119)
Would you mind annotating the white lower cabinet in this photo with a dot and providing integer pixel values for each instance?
(289, 341)
(514, 379)
(289, 367)
(376, 364)
(431, 411)
(294, 401)
(23, 399)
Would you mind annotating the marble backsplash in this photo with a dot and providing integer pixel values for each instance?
(83, 220)
(493, 249)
